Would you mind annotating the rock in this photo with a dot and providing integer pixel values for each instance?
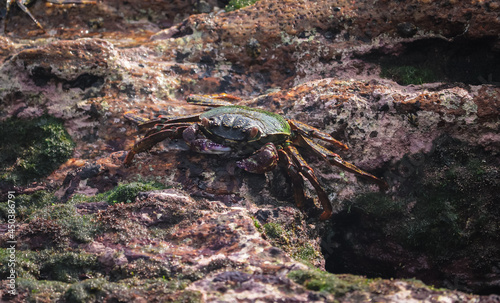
(167, 236)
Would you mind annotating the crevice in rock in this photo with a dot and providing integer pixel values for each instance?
(473, 62)
(184, 30)
(41, 76)
(85, 81)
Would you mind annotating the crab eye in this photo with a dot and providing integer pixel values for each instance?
(253, 132)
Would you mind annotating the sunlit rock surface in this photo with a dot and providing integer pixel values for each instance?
(411, 87)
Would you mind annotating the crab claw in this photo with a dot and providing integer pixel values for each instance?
(206, 146)
(202, 145)
(263, 160)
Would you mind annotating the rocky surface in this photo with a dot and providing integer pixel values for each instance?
(411, 87)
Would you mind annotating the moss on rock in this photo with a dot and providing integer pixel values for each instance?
(27, 204)
(41, 291)
(408, 74)
(306, 253)
(32, 149)
(101, 290)
(67, 266)
(276, 232)
(237, 4)
(322, 281)
(26, 267)
(127, 193)
(96, 290)
(81, 228)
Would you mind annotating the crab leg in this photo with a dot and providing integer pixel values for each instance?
(174, 119)
(145, 123)
(73, 1)
(148, 142)
(308, 173)
(135, 118)
(336, 160)
(263, 160)
(22, 5)
(159, 127)
(297, 180)
(212, 101)
(308, 130)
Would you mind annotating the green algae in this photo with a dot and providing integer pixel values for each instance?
(188, 296)
(81, 228)
(95, 290)
(67, 266)
(317, 280)
(127, 193)
(171, 290)
(237, 4)
(52, 275)
(257, 224)
(456, 199)
(26, 265)
(32, 149)
(288, 238)
(409, 74)
(43, 210)
(276, 232)
(41, 291)
(145, 269)
(378, 205)
(27, 204)
(80, 198)
(101, 290)
(123, 193)
(51, 264)
(305, 253)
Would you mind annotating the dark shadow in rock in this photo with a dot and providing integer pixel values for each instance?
(472, 62)
(440, 226)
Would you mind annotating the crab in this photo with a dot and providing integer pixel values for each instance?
(261, 140)
(24, 3)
